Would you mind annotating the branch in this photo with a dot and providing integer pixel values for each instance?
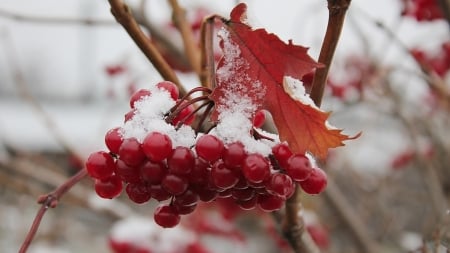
(293, 226)
(337, 10)
(190, 47)
(55, 20)
(50, 200)
(123, 15)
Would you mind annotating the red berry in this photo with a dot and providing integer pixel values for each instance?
(129, 115)
(174, 184)
(234, 154)
(209, 147)
(280, 185)
(131, 152)
(181, 161)
(158, 192)
(100, 165)
(138, 95)
(129, 174)
(157, 146)
(256, 168)
(243, 194)
(298, 167)
(108, 188)
(138, 192)
(152, 172)
(270, 203)
(200, 173)
(282, 153)
(259, 118)
(316, 182)
(188, 198)
(113, 140)
(205, 195)
(183, 210)
(166, 216)
(222, 176)
(248, 204)
(170, 87)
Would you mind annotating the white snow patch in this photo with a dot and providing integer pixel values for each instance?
(410, 241)
(296, 90)
(149, 117)
(239, 101)
(145, 233)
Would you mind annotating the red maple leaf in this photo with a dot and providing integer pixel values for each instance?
(254, 66)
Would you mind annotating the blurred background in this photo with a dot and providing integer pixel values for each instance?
(67, 71)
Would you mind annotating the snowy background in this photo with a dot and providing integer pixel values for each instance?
(63, 66)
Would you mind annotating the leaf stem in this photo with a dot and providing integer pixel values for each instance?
(50, 200)
(336, 10)
(123, 15)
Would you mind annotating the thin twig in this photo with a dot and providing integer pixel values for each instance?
(50, 200)
(55, 20)
(123, 15)
(337, 10)
(190, 47)
(165, 44)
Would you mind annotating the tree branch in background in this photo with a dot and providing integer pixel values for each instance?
(55, 20)
(123, 15)
(50, 200)
(190, 46)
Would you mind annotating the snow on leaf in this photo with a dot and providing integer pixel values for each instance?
(254, 67)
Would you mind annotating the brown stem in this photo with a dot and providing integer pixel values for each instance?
(190, 47)
(445, 7)
(293, 226)
(50, 200)
(123, 15)
(337, 10)
(207, 52)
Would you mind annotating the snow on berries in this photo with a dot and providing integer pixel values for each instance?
(163, 153)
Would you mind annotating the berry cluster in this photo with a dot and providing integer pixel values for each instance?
(158, 165)
(422, 10)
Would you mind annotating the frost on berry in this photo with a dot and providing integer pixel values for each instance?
(113, 140)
